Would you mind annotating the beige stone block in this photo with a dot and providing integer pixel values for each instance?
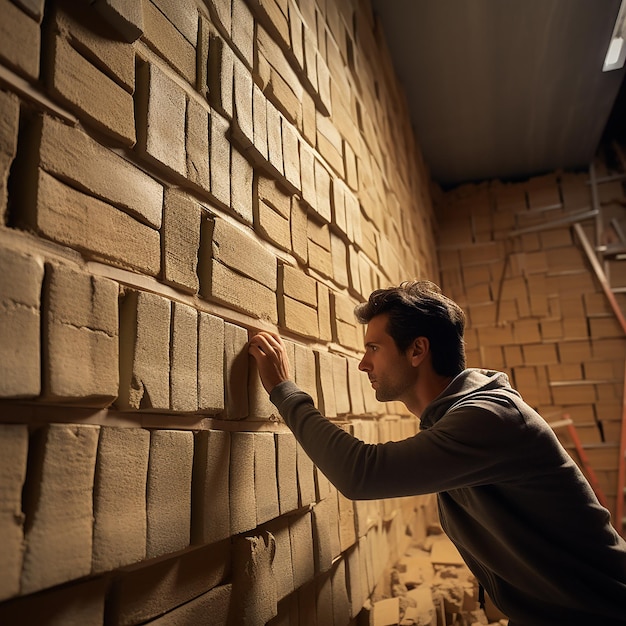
(243, 506)
(327, 144)
(338, 204)
(306, 477)
(124, 16)
(167, 40)
(70, 154)
(184, 358)
(119, 532)
(215, 603)
(341, 600)
(307, 175)
(243, 123)
(297, 285)
(89, 92)
(258, 398)
(235, 371)
(273, 194)
(210, 363)
(183, 15)
(9, 122)
(281, 565)
(265, 478)
(340, 379)
(21, 277)
(241, 293)
(286, 470)
(242, 30)
(140, 594)
(13, 456)
(323, 312)
(197, 144)
(210, 496)
(220, 159)
(236, 249)
(324, 599)
(339, 255)
(356, 586)
(161, 118)
(347, 529)
(259, 122)
(301, 531)
(322, 191)
(298, 317)
(320, 259)
(356, 380)
(145, 352)
(93, 227)
(221, 72)
(241, 190)
(81, 335)
(181, 240)
(254, 583)
(325, 383)
(168, 492)
(305, 372)
(323, 553)
(274, 139)
(291, 154)
(273, 225)
(59, 506)
(19, 40)
(299, 226)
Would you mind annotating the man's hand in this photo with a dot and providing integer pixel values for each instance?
(270, 355)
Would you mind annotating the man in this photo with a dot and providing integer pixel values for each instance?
(516, 506)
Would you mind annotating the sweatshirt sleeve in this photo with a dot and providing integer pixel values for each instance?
(458, 452)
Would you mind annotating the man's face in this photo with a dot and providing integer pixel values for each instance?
(389, 370)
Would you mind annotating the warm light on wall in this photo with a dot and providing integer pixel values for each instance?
(616, 54)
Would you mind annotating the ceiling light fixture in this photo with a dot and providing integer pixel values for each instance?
(616, 54)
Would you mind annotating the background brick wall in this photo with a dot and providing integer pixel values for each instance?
(174, 175)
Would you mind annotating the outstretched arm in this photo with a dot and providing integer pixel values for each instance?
(270, 355)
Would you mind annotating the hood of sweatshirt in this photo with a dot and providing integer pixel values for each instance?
(470, 382)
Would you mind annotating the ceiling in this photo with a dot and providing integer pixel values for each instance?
(503, 88)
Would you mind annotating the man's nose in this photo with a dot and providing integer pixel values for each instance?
(363, 365)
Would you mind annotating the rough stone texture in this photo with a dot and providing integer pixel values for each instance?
(297, 285)
(346, 330)
(353, 576)
(298, 317)
(325, 383)
(74, 605)
(291, 154)
(219, 157)
(265, 478)
(242, 484)
(21, 278)
(239, 251)
(243, 125)
(301, 532)
(323, 313)
(274, 140)
(212, 608)
(322, 542)
(166, 39)
(347, 530)
(286, 472)
(168, 492)
(70, 154)
(254, 584)
(305, 373)
(236, 371)
(145, 356)
(281, 564)
(221, 71)
(241, 196)
(242, 30)
(299, 226)
(340, 383)
(59, 506)
(19, 40)
(80, 332)
(355, 384)
(183, 15)
(161, 118)
(197, 144)
(92, 226)
(181, 240)
(259, 121)
(13, 455)
(89, 92)
(341, 601)
(119, 532)
(125, 16)
(273, 225)
(210, 363)
(184, 358)
(240, 292)
(9, 122)
(306, 477)
(143, 593)
(210, 497)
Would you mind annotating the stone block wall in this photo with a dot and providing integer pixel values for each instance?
(510, 256)
(174, 176)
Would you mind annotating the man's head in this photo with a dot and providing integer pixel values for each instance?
(419, 309)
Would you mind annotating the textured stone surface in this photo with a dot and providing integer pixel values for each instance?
(145, 354)
(168, 492)
(13, 455)
(236, 371)
(242, 484)
(301, 531)
(20, 336)
(19, 40)
(119, 534)
(9, 122)
(265, 478)
(210, 363)
(286, 472)
(211, 506)
(80, 335)
(59, 505)
(184, 358)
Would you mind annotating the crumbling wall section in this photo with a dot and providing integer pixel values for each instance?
(174, 176)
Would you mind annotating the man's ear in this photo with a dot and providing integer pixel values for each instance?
(418, 350)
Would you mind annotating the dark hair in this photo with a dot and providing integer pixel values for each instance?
(419, 309)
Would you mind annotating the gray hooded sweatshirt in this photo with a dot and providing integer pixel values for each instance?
(516, 506)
